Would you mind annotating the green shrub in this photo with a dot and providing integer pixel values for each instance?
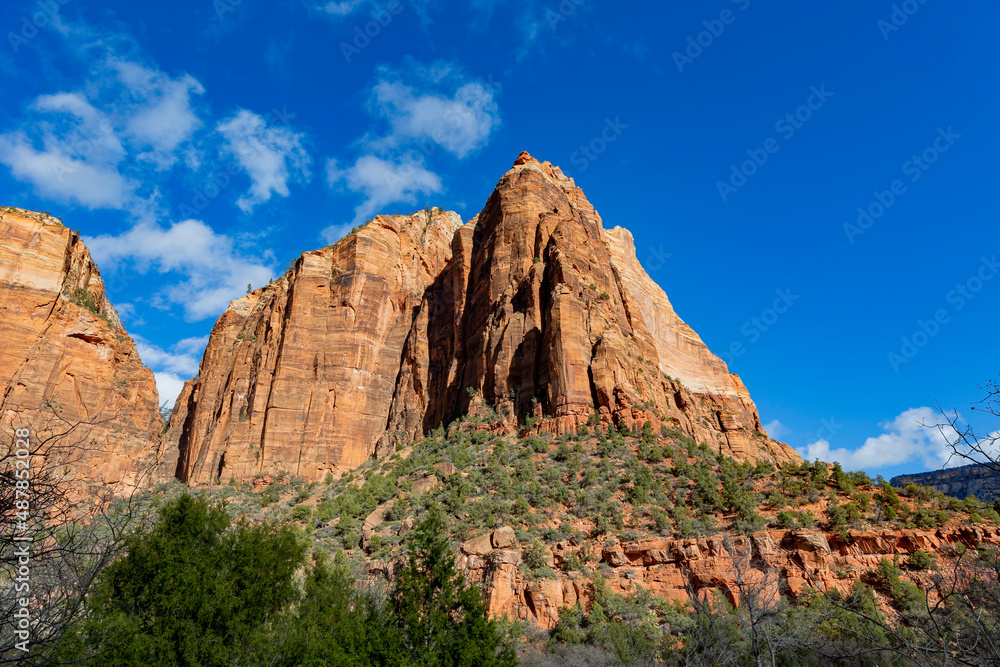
(903, 593)
(301, 513)
(920, 560)
(190, 590)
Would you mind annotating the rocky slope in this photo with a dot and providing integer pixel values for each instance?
(787, 561)
(973, 480)
(67, 366)
(531, 310)
(545, 522)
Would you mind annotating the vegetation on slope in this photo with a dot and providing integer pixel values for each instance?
(250, 581)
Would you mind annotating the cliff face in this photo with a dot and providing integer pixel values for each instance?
(66, 363)
(298, 376)
(531, 309)
(983, 482)
(673, 568)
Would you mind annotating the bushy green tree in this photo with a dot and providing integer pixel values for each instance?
(442, 620)
(192, 590)
(337, 625)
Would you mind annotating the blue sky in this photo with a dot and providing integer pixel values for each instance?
(201, 145)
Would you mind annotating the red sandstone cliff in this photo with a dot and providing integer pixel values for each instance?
(794, 561)
(66, 362)
(531, 308)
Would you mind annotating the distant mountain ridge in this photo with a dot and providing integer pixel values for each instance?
(971, 480)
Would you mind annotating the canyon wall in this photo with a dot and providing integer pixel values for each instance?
(69, 372)
(529, 311)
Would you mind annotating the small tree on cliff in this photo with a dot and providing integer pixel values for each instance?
(441, 618)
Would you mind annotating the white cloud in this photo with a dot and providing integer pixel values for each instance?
(461, 123)
(71, 145)
(381, 182)
(170, 368)
(271, 156)
(168, 386)
(776, 429)
(906, 439)
(215, 272)
(343, 7)
(433, 102)
(166, 118)
(57, 173)
(183, 358)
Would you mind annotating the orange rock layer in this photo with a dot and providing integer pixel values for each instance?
(68, 369)
(530, 309)
(787, 561)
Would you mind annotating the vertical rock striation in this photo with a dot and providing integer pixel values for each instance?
(530, 309)
(67, 366)
(298, 375)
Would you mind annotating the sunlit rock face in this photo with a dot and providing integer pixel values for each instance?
(68, 369)
(529, 309)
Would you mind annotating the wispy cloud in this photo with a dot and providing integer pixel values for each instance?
(908, 438)
(418, 109)
(94, 146)
(55, 171)
(776, 429)
(271, 156)
(343, 7)
(167, 118)
(172, 367)
(381, 182)
(211, 269)
(461, 122)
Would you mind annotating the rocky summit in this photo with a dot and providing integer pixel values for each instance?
(519, 371)
(531, 311)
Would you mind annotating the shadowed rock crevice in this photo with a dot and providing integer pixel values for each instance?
(414, 321)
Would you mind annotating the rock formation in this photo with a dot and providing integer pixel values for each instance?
(299, 375)
(980, 481)
(531, 310)
(66, 363)
(673, 568)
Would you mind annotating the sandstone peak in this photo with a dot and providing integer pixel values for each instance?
(44, 218)
(531, 312)
(524, 158)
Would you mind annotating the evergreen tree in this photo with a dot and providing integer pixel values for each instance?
(191, 591)
(442, 619)
(336, 625)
